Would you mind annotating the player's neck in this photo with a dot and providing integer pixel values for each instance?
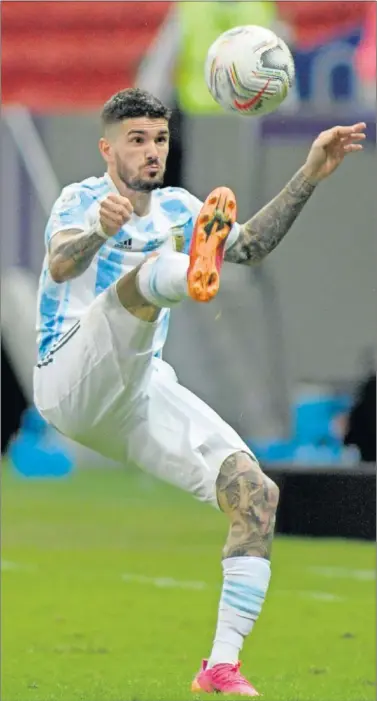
(141, 201)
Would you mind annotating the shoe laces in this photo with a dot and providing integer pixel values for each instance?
(230, 673)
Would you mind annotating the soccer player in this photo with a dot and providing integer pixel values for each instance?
(121, 251)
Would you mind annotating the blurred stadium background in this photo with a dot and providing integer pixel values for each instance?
(300, 328)
(303, 321)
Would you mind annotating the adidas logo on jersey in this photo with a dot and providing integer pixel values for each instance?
(124, 245)
(129, 245)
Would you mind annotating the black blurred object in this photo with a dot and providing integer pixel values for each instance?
(361, 429)
(325, 504)
(13, 402)
(173, 173)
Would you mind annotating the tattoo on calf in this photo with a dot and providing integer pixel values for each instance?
(250, 500)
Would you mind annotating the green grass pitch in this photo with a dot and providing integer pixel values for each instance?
(110, 585)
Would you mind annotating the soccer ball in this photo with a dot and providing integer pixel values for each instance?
(249, 70)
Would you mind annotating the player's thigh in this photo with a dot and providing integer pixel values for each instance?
(178, 438)
(97, 369)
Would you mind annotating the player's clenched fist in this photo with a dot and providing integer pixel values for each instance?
(114, 212)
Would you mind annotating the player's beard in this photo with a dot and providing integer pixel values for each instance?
(136, 183)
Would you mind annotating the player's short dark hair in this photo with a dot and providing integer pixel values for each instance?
(130, 103)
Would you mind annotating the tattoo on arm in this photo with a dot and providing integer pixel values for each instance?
(71, 253)
(250, 499)
(262, 233)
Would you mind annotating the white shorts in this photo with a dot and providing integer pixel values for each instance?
(104, 388)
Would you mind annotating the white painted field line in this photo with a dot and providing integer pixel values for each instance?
(170, 583)
(344, 573)
(9, 566)
(317, 595)
(163, 582)
(322, 596)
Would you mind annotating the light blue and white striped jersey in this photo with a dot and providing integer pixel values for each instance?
(170, 222)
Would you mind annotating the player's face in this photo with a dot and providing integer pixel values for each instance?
(138, 152)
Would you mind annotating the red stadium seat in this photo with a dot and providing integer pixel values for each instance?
(315, 22)
(61, 55)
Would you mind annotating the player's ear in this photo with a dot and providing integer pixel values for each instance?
(106, 149)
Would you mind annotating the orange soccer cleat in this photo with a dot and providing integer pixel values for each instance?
(212, 227)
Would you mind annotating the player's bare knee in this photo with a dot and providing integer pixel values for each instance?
(131, 299)
(272, 493)
(240, 480)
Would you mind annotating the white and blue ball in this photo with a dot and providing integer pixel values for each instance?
(249, 70)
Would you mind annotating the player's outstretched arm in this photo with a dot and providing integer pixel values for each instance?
(264, 231)
(72, 251)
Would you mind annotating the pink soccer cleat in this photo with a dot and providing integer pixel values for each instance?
(224, 679)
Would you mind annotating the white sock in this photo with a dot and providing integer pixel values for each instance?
(246, 581)
(162, 279)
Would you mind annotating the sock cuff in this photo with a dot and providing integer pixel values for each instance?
(162, 279)
(146, 279)
(256, 567)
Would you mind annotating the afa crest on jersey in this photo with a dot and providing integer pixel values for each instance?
(178, 238)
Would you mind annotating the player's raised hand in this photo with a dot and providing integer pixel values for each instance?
(114, 212)
(330, 148)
